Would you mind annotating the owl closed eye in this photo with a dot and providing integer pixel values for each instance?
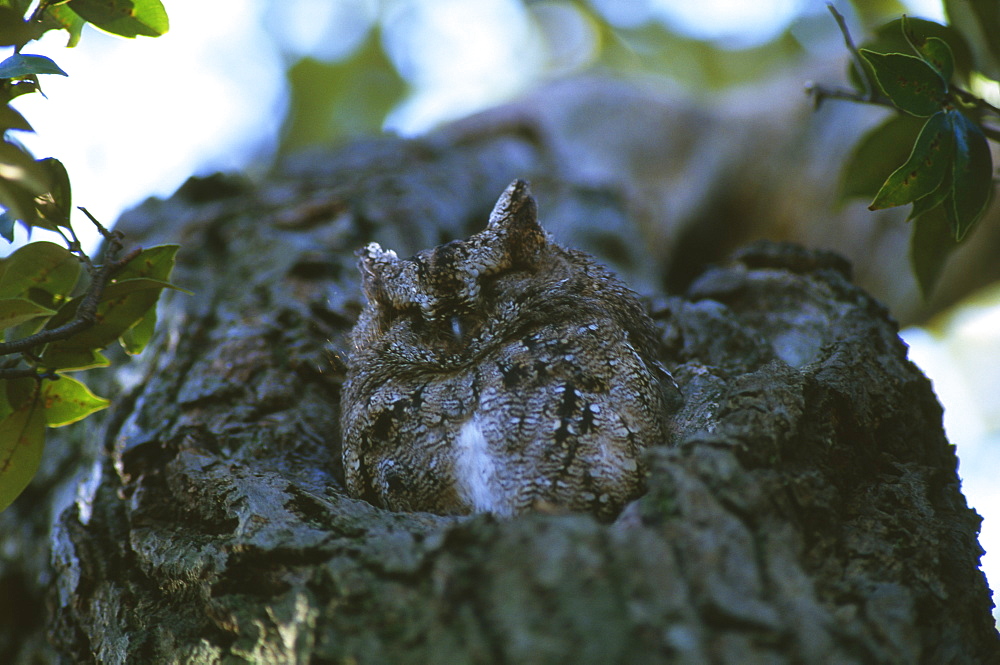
(498, 373)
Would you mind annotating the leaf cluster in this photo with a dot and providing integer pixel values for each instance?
(922, 68)
(50, 323)
(46, 331)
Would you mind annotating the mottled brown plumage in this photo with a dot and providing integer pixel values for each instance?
(499, 373)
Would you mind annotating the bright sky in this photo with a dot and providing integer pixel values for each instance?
(135, 118)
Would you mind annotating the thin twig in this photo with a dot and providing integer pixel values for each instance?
(819, 93)
(100, 227)
(26, 373)
(858, 61)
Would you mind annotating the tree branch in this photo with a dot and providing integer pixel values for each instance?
(26, 373)
(86, 312)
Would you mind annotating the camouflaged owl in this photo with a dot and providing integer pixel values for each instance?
(500, 373)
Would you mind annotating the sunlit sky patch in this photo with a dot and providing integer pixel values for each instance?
(732, 24)
(458, 56)
(321, 29)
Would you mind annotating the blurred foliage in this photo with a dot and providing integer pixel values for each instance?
(654, 50)
(335, 101)
(331, 101)
(49, 322)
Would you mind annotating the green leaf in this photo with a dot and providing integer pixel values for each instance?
(17, 392)
(932, 50)
(113, 293)
(121, 288)
(15, 311)
(876, 155)
(936, 198)
(20, 6)
(14, 88)
(21, 180)
(18, 166)
(17, 200)
(972, 174)
(931, 242)
(54, 206)
(331, 102)
(5, 408)
(135, 339)
(22, 437)
(936, 53)
(74, 359)
(911, 84)
(155, 262)
(61, 17)
(11, 119)
(14, 31)
(925, 169)
(125, 18)
(19, 65)
(67, 401)
(125, 303)
(150, 269)
(651, 48)
(39, 265)
(890, 38)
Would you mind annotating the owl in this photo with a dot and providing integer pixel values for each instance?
(499, 374)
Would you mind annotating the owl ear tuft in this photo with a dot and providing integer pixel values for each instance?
(373, 263)
(515, 206)
(515, 220)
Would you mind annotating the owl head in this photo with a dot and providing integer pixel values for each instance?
(443, 306)
(447, 279)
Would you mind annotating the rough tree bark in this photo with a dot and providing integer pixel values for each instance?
(809, 510)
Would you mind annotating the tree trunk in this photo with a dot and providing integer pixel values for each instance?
(808, 511)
